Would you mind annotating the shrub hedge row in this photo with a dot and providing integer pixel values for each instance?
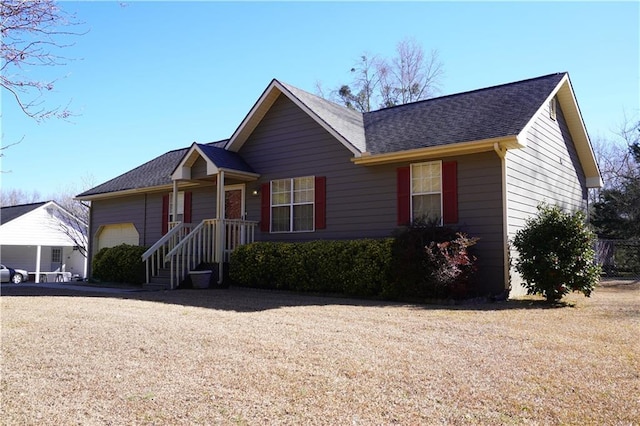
(420, 262)
(356, 267)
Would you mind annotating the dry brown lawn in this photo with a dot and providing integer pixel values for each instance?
(243, 356)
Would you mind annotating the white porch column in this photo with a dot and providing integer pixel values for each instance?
(220, 214)
(174, 210)
(38, 257)
(86, 264)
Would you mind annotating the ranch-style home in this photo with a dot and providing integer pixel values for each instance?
(300, 168)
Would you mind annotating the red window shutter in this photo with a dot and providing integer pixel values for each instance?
(187, 207)
(265, 208)
(321, 202)
(404, 195)
(450, 192)
(165, 214)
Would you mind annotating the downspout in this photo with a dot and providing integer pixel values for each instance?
(220, 213)
(502, 154)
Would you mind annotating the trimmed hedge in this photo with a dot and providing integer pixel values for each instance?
(421, 262)
(356, 268)
(121, 264)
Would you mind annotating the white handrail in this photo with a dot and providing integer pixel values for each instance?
(196, 245)
(165, 238)
(155, 255)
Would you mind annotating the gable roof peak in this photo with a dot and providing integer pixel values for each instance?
(344, 124)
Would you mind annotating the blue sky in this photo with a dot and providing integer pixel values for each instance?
(150, 77)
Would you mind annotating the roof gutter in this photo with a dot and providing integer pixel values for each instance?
(461, 148)
(123, 193)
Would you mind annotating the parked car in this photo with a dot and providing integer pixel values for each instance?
(12, 275)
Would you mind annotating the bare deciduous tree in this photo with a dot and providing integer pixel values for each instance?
(14, 197)
(32, 34)
(378, 83)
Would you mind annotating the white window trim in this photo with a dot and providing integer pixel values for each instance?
(553, 108)
(56, 253)
(291, 205)
(426, 193)
(180, 210)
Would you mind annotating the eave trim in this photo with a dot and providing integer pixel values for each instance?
(461, 148)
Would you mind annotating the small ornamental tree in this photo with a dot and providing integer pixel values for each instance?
(557, 254)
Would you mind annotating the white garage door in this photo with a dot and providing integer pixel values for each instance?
(121, 233)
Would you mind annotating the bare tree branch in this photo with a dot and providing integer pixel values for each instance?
(408, 77)
(31, 33)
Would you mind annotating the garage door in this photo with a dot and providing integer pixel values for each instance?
(116, 234)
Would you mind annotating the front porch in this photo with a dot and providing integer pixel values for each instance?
(187, 245)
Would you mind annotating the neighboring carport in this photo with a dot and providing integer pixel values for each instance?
(43, 237)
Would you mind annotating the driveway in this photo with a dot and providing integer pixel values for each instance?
(32, 288)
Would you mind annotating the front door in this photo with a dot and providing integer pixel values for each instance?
(234, 210)
(233, 203)
(56, 259)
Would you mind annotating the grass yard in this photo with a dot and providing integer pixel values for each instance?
(238, 356)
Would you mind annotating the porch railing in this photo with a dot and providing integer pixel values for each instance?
(154, 257)
(212, 241)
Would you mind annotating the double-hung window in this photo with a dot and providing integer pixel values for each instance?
(292, 204)
(426, 191)
(180, 210)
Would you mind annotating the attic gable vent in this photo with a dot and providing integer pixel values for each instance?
(552, 108)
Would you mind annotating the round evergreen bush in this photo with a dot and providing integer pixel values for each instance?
(556, 254)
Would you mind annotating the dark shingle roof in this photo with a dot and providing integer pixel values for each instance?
(346, 122)
(470, 116)
(481, 114)
(156, 172)
(9, 213)
(225, 159)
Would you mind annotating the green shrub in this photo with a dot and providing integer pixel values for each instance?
(556, 254)
(358, 268)
(432, 261)
(426, 261)
(121, 264)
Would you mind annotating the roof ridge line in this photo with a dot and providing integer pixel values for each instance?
(466, 92)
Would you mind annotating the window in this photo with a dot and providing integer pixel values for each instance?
(426, 191)
(292, 204)
(180, 211)
(552, 108)
(56, 255)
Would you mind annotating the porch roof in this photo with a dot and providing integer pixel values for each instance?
(217, 159)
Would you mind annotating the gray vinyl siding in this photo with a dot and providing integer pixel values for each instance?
(480, 214)
(288, 143)
(361, 201)
(145, 212)
(546, 170)
(129, 209)
(199, 169)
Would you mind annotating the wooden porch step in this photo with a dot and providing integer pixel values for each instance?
(161, 281)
